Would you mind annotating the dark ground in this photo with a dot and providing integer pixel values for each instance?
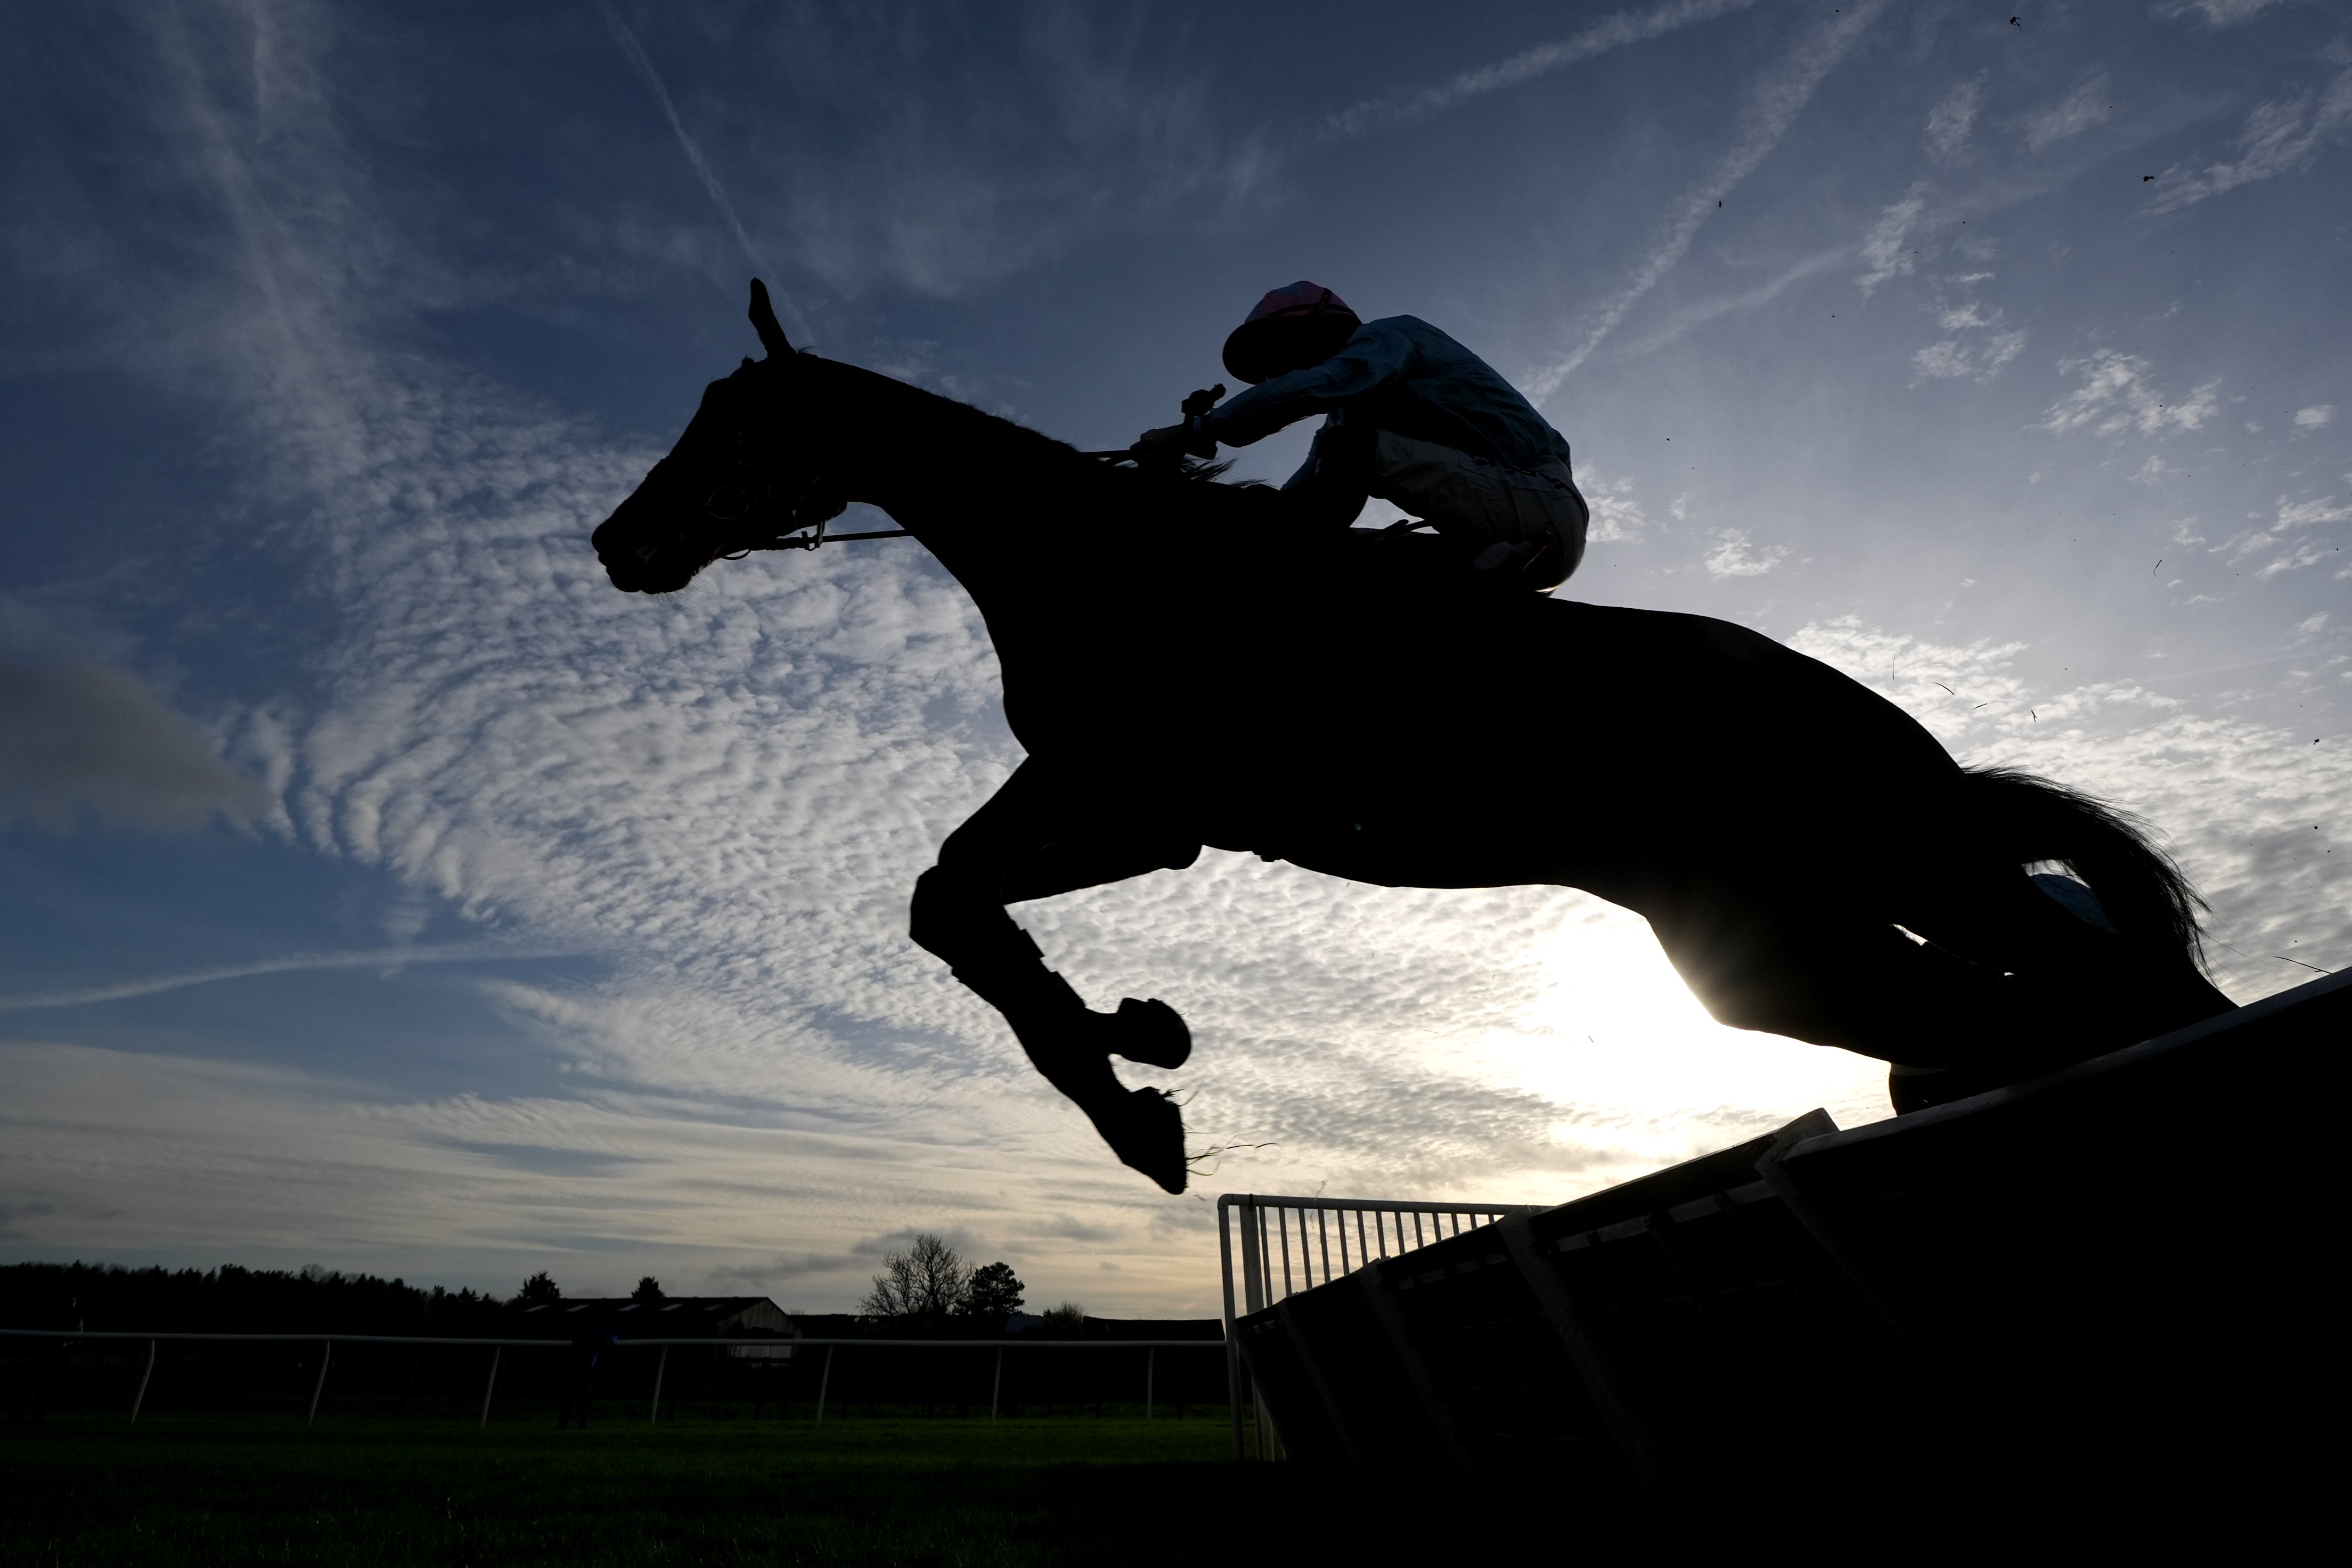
(197, 1490)
(81, 1490)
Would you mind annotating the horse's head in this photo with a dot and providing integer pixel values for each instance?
(725, 487)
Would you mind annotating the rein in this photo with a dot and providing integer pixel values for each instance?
(818, 536)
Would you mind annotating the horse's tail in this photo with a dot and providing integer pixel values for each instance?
(2144, 892)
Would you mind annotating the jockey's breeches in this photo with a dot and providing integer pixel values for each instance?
(1485, 503)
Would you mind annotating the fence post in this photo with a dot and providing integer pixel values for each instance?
(661, 1368)
(326, 1355)
(1257, 1285)
(997, 1387)
(492, 1386)
(825, 1383)
(139, 1398)
(1232, 1350)
(1150, 1365)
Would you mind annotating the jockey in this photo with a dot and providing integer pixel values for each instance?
(1410, 415)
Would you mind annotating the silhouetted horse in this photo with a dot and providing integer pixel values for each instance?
(1188, 666)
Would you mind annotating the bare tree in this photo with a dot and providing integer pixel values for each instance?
(930, 1279)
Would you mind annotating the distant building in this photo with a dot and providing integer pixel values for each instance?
(675, 1318)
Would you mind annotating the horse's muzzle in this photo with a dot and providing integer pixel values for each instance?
(643, 546)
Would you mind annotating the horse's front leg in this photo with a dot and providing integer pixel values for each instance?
(1038, 837)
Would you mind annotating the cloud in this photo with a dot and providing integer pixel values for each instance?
(1686, 319)
(12, 1215)
(1954, 117)
(1979, 360)
(114, 1152)
(1070, 1228)
(379, 958)
(2283, 136)
(2318, 417)
(1734, 556)
(2309, 513)
(644, 66)
(1884, 247)
(1764, 117)
(2217, 13)
(2086, 106)
(1613, 32)
(2295, 553)
(2237, 798)
(1980, 342)
(1616, 516)
(2118, 394)
(727, 796)
(938, 157)
(93, 742)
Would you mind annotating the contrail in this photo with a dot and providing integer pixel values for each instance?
(1770, 111)
(644, 66)
(1610, 33)
(453, 952)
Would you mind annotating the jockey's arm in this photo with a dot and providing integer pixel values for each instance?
(1378, 356)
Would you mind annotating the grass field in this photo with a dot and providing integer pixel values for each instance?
(201, 1489)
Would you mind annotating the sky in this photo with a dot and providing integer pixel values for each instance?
(384, 892)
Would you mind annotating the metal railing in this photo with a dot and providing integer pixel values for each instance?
(1265, 1240)
(498, 1347)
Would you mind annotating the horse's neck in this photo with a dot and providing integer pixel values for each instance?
(1000, 507)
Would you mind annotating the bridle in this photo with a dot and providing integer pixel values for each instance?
(805, 520)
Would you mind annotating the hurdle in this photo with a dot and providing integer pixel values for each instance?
(1261, 1223)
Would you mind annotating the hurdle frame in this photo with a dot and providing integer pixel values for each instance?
(1260, 1252)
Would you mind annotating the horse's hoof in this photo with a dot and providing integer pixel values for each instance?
(1146, 1131)
(1151, 1033)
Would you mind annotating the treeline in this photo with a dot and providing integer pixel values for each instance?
(230, 1299)
(930, 1283)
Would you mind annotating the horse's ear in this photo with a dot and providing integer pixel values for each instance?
(764, 322)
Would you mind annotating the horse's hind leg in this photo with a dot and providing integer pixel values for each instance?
(2037, 988)
(1819, 972)
(1033, 840)
(2110, 991)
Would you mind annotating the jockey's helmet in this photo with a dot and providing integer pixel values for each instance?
(1291, 329)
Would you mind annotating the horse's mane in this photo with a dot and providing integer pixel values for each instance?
(1188, 469)
(1202, 472)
